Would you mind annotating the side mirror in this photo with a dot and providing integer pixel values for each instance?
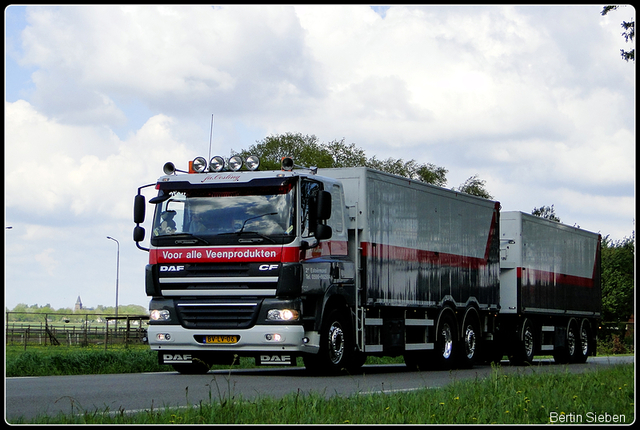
(323, 232)
(138, 209)
(324, 205)
(138, 234)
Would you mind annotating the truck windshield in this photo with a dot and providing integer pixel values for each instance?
(226, 216)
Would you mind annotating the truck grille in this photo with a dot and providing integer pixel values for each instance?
(217, 315)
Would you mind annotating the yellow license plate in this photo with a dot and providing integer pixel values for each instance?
(221, 339)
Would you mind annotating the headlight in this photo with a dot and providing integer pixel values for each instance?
(159, 315)
(282, 315)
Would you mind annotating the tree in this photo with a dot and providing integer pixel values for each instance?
(428, 173)
(617, 281)
(628, 33)
(474, 186)
(306, 150)
(547, 212)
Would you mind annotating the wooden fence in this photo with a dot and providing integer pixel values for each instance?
(75, 330)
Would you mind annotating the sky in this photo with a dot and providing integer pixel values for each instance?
(535, 100)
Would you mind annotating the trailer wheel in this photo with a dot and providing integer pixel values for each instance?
(445, 345)
(336, 347)
(525, 347)
(584, 342)
(569, 353)
(470, 345)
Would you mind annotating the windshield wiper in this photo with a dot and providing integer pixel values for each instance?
(241, 231)
(189, 239)
(257, 216)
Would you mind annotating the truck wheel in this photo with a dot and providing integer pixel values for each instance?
(568, 353)
(336, 351)
(445, 345)
(584, 343)
(470, 344)
(525, 347)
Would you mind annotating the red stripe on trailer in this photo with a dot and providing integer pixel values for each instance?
(400, 253)
(533, 276)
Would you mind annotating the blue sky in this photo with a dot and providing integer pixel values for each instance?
(535, 100)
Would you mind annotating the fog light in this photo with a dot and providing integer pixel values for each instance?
(273, 337)
(163, 337)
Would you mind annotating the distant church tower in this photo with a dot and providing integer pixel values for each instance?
(78, 305)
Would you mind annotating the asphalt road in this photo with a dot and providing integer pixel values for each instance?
(32, 396)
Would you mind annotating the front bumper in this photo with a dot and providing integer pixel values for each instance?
(255, 340)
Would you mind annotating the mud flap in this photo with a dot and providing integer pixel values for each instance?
(276, 359)
(174, 358)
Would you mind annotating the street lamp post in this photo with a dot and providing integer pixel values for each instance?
(117, 278)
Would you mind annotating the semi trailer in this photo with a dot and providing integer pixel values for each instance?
(334, 265)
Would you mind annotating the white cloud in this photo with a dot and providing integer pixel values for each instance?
(79, 171)
(177, 59)
(47, 261)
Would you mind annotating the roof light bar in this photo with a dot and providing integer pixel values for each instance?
(216, 164)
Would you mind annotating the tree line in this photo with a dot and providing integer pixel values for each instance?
(34, 313)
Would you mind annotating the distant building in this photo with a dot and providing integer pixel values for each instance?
(78, 305)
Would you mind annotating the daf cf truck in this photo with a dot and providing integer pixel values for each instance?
(334, 265)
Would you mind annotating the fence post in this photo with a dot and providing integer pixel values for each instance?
(26, 336)
(126, 334)
(86, 329)
(106, 334)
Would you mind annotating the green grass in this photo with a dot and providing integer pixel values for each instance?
(62, 360)
(95, 360)
(501, 398)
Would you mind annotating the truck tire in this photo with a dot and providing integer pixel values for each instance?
(336, 352)
(470, 342)
(446, 344)
(584, 342)
(569, 352)
(525, 347)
